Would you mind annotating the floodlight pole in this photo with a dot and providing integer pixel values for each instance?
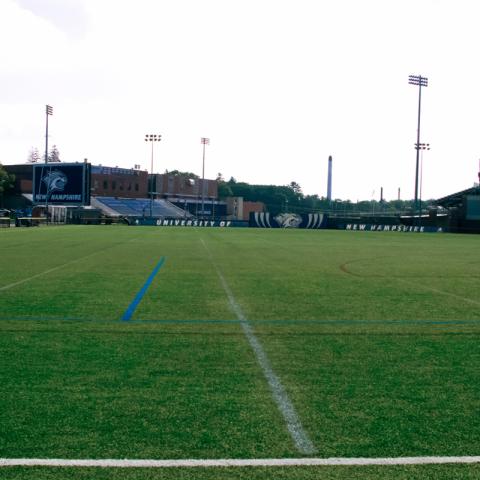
(421, 82)
(422, 147)
(48, 112)
(204, 141)
(152, 138)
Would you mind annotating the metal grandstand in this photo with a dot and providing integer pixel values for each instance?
(138, 207)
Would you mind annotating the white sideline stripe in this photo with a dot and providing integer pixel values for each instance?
(294, 425)
(234, 462)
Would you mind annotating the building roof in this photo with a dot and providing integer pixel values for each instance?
(456, 199)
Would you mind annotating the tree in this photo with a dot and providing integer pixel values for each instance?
(295, 187)
(6, 182)
(34, 156)
(54, 155)
(224, 190)
(183, 174)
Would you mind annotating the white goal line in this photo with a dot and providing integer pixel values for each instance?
(205, 463)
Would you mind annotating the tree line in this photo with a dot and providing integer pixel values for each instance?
(290, 198)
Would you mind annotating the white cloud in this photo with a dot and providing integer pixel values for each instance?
(67, 15)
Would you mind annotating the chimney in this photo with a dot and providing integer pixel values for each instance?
(329, 181)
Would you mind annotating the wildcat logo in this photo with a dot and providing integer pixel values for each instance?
(55, 181)
(288, 220)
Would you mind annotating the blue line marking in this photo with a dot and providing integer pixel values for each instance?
(131, 309)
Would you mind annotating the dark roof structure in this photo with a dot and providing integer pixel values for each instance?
(456, 199)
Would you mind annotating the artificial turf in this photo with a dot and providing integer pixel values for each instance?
(373, 334)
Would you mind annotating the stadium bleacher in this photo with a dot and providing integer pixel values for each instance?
(139, 207)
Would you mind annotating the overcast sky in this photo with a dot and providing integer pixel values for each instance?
(277, 86)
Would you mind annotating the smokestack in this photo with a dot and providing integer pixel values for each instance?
(329, 181)
(381, 194)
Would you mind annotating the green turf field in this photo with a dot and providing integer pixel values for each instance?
(371, 337)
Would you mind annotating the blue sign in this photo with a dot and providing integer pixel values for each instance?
(61, 184)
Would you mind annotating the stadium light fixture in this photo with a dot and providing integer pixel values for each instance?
(422, 146)
(419, 81)
(204, 141)
(152, 138)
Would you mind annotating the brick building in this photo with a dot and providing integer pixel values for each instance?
(119, 182)
(174, 185)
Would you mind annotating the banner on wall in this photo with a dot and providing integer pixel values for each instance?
(183, 222)
(367, 227)
(288, 220)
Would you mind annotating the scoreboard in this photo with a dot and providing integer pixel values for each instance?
(61, 183)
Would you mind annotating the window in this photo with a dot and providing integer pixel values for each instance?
(136, 187)
(105, 185)
(114, 185)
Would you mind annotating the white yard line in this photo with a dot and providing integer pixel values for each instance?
(50, 270)
(284, 404)
(45, 272)
(234, 462)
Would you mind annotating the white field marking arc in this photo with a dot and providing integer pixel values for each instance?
(410, 282)
(234, 462)
(436, 290)
(50, 270)
(284, 404)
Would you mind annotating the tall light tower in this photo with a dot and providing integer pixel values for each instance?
(420, 82)
(152, 138)
(204, 141)
(48, 112)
